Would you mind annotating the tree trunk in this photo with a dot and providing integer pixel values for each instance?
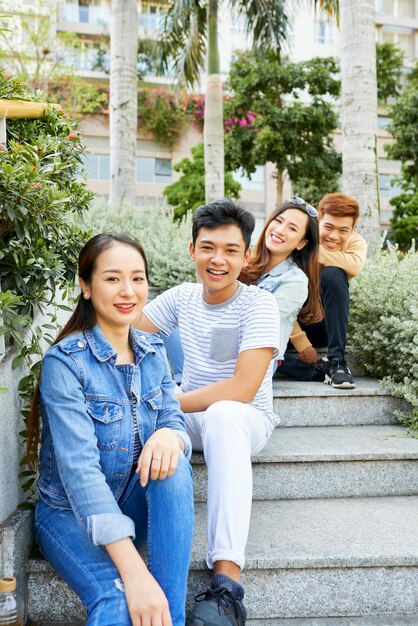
(279, 188)
(123, 103)
(359, 113)
(213, 133)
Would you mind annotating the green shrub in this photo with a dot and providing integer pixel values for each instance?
(384, 322)
(166, 244)
(41, 200)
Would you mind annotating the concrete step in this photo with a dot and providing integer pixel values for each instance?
(305, 559)
(330, 462)
(314, 404)
(380, 620)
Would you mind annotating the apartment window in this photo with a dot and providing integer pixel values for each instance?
(396, 8)
(383, 121)
(239, 23)
(402, 37)
(256, 180)
(85, 57)
(323, 32)
(386, 188)
(153, 170)
(86, 12)
(97, 166)
(149, 18)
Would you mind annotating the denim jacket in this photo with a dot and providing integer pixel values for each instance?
(88, 404)
(289, 285)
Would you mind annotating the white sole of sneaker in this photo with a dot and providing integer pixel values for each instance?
(345, 385)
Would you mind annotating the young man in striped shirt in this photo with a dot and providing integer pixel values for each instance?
(230, 335)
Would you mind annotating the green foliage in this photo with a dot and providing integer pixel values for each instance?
(384, 322)
(187, 193)
(39, 53)
(389, 64)
(159, 112)
(404, 220)
(185, 38)
(404, 128)
(296, 136)
(76, 96)
(41, 200)
(166, 244)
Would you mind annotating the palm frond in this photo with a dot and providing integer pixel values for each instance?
(332, 7)
(266, 21)
(183, 39)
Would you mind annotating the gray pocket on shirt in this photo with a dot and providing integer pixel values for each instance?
(224, 344)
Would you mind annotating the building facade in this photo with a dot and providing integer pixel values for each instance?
(311, 34)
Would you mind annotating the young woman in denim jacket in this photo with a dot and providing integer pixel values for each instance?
(114, 469)
(285, 262)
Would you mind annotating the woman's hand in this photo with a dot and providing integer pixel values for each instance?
(309, 355)
(159, 456)
(147, 603)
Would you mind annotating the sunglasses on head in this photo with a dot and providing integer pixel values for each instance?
(304, 205)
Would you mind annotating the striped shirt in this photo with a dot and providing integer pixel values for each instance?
(213, 335)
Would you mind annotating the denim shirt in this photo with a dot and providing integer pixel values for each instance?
(289, 285)
(88, 404)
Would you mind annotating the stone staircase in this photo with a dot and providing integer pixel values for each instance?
(334, 531)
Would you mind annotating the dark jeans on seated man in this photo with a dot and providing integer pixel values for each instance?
(330, 333)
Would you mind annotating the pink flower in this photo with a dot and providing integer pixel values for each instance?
(1, 148)
(243, 122)
(72, 136)
(250, 117)
(7, 74)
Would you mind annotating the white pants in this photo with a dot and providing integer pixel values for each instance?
(228, 433)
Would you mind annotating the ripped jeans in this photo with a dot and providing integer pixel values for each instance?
(163, 516)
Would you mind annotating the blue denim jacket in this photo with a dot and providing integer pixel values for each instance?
(88, 404)
(289, 285)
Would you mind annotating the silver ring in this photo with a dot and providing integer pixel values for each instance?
(155, 459)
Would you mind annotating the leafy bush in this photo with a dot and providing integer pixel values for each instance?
(41, 199)
(159, 111)
(166, 244)
(188, 192)
(384, 322)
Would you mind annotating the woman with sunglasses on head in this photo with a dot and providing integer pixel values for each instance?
(285, 262)
(114, 472)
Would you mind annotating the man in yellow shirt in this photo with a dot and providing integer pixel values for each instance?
(342, 253)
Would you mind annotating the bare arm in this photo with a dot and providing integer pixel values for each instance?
(249, 372)
(146, 600)
(146, 325)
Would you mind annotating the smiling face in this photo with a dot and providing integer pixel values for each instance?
(285, 234)
(118, 288)
(334, 231)
(219, 255)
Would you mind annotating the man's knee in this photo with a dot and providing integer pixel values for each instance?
(223, 416)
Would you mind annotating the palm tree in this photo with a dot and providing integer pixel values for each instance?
(359, 112)
(191, 37)
(123, 100)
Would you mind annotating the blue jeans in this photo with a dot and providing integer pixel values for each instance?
(163, 516)
(175, 354)
(332, 331)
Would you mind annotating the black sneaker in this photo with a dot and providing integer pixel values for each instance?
(217, 607)
(321, 369)
(339, 375)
